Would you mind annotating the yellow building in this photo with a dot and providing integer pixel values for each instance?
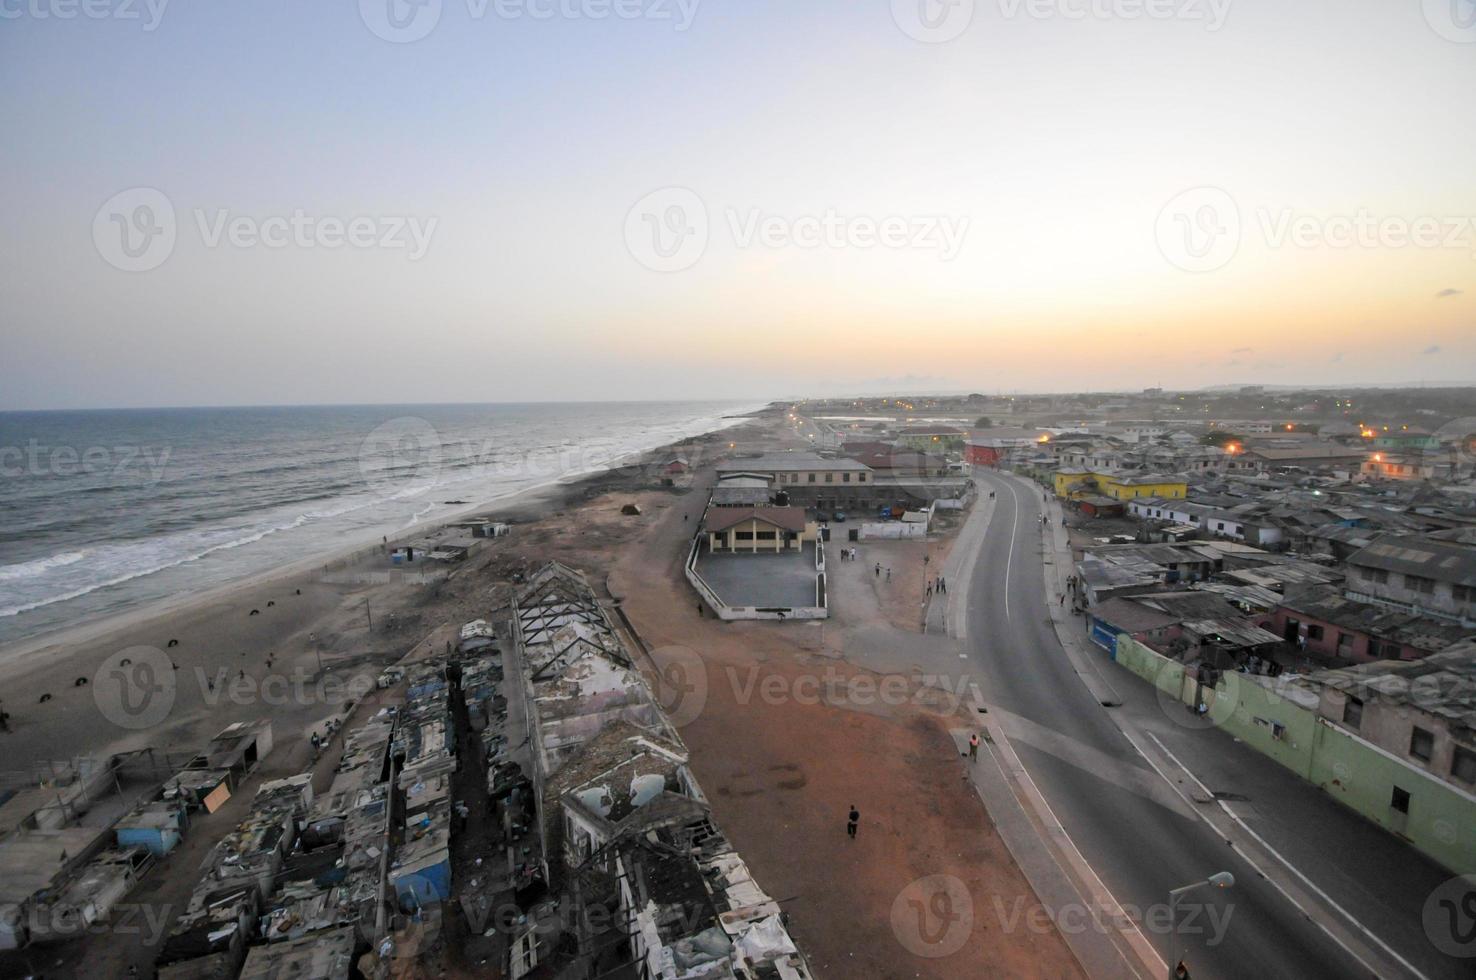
(758, 529)
(1119, 486)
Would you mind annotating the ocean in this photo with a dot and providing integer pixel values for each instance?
(101, 511)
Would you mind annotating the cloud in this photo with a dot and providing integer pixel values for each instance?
(1241, 350)
(1447, 293)
(1432, 349)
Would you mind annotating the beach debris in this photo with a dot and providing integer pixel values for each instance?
(172, 643)
(299, 592)
(125, 661)
(255, 612)
(271, 603)
(631, 510)
(80, 682)
(43, 699)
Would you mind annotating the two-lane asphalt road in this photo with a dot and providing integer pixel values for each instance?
(1104, 792)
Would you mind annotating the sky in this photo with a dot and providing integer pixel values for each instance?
(509, 200)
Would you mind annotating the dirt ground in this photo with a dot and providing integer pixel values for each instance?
(784, 742)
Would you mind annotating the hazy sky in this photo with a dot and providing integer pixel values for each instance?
(729, 198)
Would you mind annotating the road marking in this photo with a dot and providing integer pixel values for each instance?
(1104, 900)
(1010, 556)
(1286, 864)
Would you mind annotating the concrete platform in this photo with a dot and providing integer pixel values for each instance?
(761, 579)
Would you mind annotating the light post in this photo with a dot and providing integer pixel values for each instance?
(1222, 879)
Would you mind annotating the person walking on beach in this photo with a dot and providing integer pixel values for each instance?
(852, 821)
(974, 747)
(942, 585)
(889, 574)
(878, 569)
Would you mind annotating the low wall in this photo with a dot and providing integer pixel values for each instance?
(724, 611)
(1267, 715)
(893, 530)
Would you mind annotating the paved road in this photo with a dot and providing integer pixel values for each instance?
(1100, 787)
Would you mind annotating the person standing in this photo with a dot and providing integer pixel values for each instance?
(974, 747)
(853, 820)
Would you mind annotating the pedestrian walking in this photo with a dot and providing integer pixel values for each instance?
(974, 747)
(1063, 598)
(930, 588)
(878, 569)
(889, 574)
(852, 821)
(942, 585)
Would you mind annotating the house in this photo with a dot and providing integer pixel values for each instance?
(757, 529)
(1417, 573)
(1421, 712)
(800, 472)
(741, 490)
(1071, 482)
(988, 447)
(677, 466)
(932, 437)
(1318, 456)
(1324, 622)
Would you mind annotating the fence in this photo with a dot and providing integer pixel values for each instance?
(1280, 720)
(820, 610)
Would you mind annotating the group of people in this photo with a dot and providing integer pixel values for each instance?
(848, 554)
(939, 584)
(879, 571)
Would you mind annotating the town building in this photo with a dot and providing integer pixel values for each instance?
(1417, 573)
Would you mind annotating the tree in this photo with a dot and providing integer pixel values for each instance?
(984, 422)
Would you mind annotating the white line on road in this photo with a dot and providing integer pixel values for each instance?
(1289, 866)
(1010, 556)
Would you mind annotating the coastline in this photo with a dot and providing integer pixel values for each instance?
(16, 656)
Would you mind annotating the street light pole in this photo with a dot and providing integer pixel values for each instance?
(1222, 879)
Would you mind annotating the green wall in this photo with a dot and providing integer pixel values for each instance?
(1441, 820)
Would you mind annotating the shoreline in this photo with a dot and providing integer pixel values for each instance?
(16, 656)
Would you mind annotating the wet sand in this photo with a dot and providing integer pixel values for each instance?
(310, 648)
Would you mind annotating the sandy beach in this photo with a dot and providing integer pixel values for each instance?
(322, 629)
